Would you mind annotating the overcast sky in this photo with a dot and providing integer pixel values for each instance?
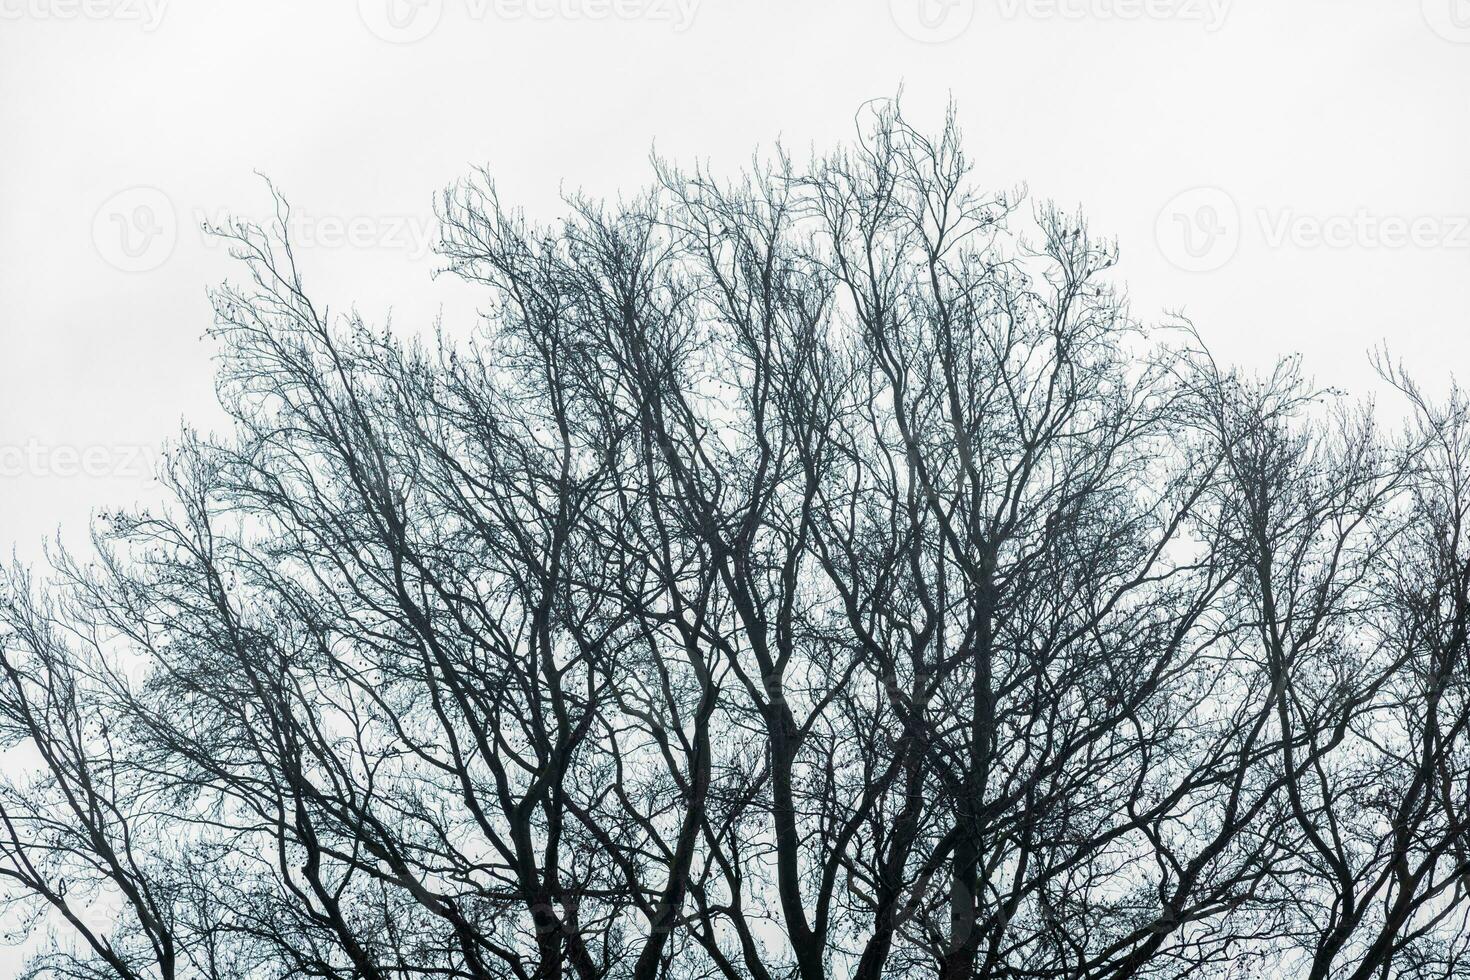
(1292, 175)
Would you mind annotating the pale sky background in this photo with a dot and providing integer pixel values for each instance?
(1351, 116)
(1249, 126)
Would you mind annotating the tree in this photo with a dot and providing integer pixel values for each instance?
(820, 574)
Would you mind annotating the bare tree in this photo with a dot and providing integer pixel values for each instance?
(817, 574)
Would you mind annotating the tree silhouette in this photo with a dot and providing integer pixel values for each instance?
(815, 575)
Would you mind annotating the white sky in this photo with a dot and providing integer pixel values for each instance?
(1351, 116)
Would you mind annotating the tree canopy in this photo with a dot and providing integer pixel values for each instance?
(816, 574)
